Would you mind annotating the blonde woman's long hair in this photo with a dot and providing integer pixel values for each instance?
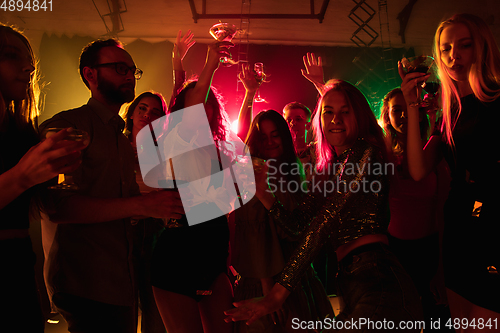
(484, 74)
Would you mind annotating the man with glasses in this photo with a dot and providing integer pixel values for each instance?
(87, 233)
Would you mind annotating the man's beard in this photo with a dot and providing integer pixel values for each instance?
(113, 94)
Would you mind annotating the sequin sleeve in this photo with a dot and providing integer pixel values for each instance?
(325, 221)
(294, 223)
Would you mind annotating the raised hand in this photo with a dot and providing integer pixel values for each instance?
(183, 44)
(410, 82)
(216, 51)
(314, 71)
(247, 77)
(49, 158)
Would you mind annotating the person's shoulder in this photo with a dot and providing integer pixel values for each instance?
(67, 118)
(74, 112)
(368, 150)
(495, 104)
(471, 101)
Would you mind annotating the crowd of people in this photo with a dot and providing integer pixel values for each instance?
(401, 206)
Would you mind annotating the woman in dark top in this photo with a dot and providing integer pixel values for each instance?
(144, 109)
(260, 247)
(416, 207)
(468, 63)
(189, 267)
(24, 163)
(348, 209)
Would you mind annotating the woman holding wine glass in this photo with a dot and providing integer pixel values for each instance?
(415, 227)
(468, 61)
(24, 163)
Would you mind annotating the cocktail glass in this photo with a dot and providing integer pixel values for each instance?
(224, 32)
(260, 76)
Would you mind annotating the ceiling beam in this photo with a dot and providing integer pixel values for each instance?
(320, 16)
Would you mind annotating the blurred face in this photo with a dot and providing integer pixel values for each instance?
(116, 88)
(270, 140)
(338, 121)
(456, 51)
(397, 113)
(297, 122)
(149, 109)
(16, 66)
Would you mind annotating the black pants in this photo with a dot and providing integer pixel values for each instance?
(20, 309)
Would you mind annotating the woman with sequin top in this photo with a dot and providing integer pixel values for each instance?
(261, 248)
(348, 207)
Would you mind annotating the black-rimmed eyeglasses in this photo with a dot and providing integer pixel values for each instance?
(122, 68)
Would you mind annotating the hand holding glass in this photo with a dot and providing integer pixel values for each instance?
(260, 76)
(65, 182)
(224, 32)
(419, 64)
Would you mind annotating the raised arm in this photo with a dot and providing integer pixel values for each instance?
(181, 47)
(216, 51)
(251, 84)
(420, 161)
(314, 71)
(41, 163)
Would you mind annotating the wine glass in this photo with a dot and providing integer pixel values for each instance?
(432, 85)
(260, 76)
(224, 32)
(419, 64)
(249, 164)
(65, 182)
